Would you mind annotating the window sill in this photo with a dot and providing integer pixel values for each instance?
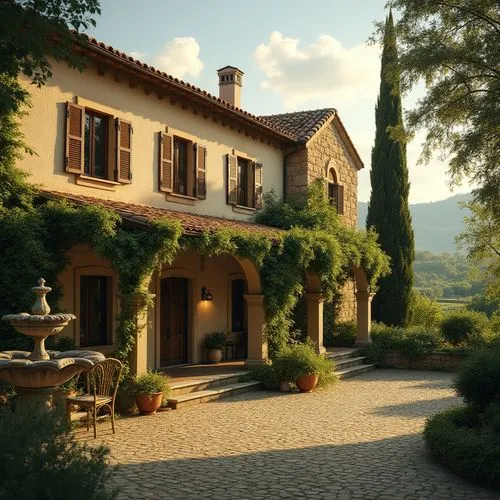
(181, 198)
(243, 210)
(94, 182)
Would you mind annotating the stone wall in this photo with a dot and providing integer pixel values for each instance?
(443, 361)
(347, 309)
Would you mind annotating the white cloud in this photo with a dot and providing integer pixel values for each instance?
(138, 55)
(180, 57)
(322, 71)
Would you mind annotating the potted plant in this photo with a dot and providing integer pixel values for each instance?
(150, 389)
(301, 363)
(66, 390)
(214, 343)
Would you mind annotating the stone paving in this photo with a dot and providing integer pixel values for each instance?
(360, 439)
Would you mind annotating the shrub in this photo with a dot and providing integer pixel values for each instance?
(344, 334)
(459, 441)
(268, 376)
(425, 312)
(297, 360)
(215, 340)
(478, 379)
(40, 458)
(151, 383)
(466, 327)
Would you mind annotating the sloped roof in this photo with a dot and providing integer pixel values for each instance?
(302, 124)
(192, 224)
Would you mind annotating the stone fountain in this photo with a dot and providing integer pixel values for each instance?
(36, 375)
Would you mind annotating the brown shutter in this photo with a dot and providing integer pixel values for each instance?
(340, 199)
(201, 172)
(123, 151)
(75, 133)
(232, 179)
(166, 164)
(257, 198)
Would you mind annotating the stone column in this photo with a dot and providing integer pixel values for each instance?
(315, 319)
(139, 356)
(257, 344)
(364, 317)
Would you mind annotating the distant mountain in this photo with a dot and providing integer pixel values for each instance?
(435, 224)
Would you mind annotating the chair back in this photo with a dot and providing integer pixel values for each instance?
(104, 377)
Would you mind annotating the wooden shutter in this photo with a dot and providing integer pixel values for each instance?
(166, 164)
(257, 197)
(123, 151)
(340, 199)
(232, 179)
(201, 171)
(75, 134)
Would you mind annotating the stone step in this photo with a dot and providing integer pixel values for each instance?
(202, 383)
(197, 397)
(342, 364)
(354, 370)
(344, 354)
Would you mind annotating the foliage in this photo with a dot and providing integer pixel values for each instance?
(478, 380)
(344, 334)
(388, 210)
(481, 239)
(468, 446)
(296, 360)
(453, 47)
(151, 383)
(465, 327)
(267, 374)
(426, 312)
(33, 31)
(215, 340)
(482, 303)
(40, 458)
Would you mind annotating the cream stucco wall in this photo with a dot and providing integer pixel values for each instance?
(44, 129)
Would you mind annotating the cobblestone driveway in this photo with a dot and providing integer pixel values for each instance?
(359, 440)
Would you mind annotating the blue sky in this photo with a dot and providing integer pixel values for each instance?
(295, 54)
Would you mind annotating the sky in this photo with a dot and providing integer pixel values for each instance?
(296, 55)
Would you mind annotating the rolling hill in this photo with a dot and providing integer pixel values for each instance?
(435, 224)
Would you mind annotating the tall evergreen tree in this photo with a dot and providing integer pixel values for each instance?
(388, 210)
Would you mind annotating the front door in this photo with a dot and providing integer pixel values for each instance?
(173, 331)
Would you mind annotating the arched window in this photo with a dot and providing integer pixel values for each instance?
(335, 192)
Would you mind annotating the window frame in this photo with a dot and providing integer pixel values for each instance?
(108, 119)
(333, 191)
(189, 173)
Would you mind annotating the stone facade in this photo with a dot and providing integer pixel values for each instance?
(312, 161)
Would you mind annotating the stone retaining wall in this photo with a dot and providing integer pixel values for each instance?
(444, 361)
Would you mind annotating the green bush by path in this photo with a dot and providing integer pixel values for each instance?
(459, 441)
(466, 327)
(425, 312)
(343, 334)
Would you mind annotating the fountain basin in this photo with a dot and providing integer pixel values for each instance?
(35, 325)
(17, 369)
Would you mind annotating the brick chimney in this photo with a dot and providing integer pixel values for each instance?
(230, 83)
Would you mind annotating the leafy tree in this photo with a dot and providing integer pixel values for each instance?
(31, 32)
(388, 210)
(454, 48)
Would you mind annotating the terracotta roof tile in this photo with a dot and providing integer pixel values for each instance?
(302, 124)
(138, 213)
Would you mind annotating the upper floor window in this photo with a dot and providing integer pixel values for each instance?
(335, 192)
(94, 148)
(244, 182)
(182, 166)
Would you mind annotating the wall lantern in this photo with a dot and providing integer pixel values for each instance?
(206, 294)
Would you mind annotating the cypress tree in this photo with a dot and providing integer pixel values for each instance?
(388, 210)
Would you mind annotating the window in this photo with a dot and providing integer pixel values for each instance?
(237, 305)
(182, 166)
(244, 182)
(335, 192)
(95, 310)
(95, 148)
(96, 145)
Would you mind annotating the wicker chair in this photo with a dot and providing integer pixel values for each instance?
(102, 385)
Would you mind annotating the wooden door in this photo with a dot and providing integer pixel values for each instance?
(173, 313)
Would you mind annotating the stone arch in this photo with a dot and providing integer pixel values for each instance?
(252, 275)
(361, 279)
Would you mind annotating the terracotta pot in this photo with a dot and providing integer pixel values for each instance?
(307, 383)
(214, 355)
(148, 403)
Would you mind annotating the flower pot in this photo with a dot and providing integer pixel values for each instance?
(307, 383)
(148, 403)
(214, 355)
